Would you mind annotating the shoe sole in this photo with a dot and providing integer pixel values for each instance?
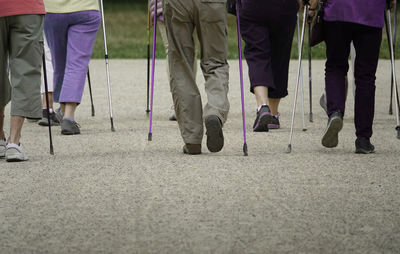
(262, 124)
(215, 136)
(331, 136)
(46, 123)
(15, 157)
(273, 126)
(68, 133)
(363, 151)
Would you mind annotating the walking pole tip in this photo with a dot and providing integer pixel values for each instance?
(150, 137)
(245, 152)
(51, 150)
(289, 148)
(398, 131)
(311, 118)
(93, 112)
(112, 125)
(304, 129)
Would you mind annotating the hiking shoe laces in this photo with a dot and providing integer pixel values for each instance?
(15, 153)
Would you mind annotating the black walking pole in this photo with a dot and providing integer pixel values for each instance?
(309, 71)
(90, 91)
(148, 59)
(46, 89)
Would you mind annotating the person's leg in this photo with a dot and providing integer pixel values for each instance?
(281, 39)
(338, 36)
(26, 49)
(5, 89)
(185, 93)
(367, 41)
(81, 36)
(56, 28)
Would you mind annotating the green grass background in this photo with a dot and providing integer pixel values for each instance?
(126, 25)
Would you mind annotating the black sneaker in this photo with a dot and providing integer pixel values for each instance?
(331, 135)
(215, 136)
(53, 119)
(69, 127)
(364, 146)
(263, 118)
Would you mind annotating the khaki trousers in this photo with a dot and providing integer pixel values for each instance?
(21, 42)
(208, 17)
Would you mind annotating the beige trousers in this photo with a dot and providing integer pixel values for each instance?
(208, 17)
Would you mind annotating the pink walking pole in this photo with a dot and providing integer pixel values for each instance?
(152, 70)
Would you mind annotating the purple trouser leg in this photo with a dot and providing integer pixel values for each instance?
(367, 41)
(71, 39)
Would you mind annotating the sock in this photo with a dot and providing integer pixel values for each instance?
(258, 109)
(69, 119)
(50, 110)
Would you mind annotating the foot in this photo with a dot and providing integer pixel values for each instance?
(14, 153)
(364, 146)
(322, 103)
(274, 122)
(54, 121)
(215, 136)
(331, 135)
(192, 149)
(3, 144)
(263, 118)
(69, 127)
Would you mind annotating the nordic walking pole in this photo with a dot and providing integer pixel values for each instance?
(289, 148)
(311, 118)
(301, 78)
(150, 136)
(241, 78)
(46, 89)
(107, 65)
(90, 91)
(393, 72)
(148, 58)
(394, 46)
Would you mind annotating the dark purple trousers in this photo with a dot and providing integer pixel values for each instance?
(267, 28)
(367, 42)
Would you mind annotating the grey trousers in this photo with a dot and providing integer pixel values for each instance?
(21, 42)
(208, 17)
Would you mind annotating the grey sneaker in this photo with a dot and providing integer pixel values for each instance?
(3, 144)
(14, 153)
(331, 135)
(53, 119)
(69, 127)
(322, 103)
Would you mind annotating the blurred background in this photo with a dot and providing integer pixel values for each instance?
(126, 25)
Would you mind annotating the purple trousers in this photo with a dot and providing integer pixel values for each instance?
(267, 28)
(71, 37)
(367, 42)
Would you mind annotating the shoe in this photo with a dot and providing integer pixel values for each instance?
(192, 149)
(331, 135)
(364, 146)
(322, 103)
(32, 120)
(215, 136)
(263, 117)
(172, 117)
(274, 122)
(59, 114)
(69, 127)
(3, 144)
(14, 153)
(53, 119)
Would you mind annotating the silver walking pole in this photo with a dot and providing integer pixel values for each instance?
(289, 148)
(107, 64)
(388, 17)
(301, 78)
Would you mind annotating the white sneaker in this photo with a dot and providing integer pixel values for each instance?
(14, 153)
(3, 144)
